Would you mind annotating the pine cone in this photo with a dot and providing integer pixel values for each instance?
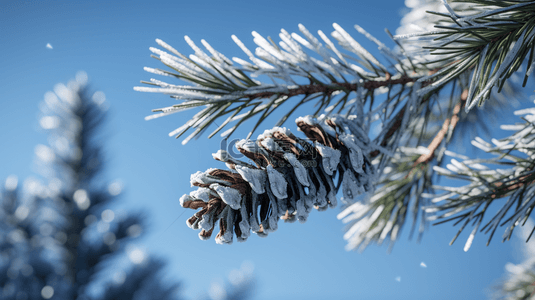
(290, 176)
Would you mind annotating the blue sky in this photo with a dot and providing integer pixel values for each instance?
(110, 41)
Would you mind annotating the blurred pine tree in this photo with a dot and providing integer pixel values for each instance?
(60, 240)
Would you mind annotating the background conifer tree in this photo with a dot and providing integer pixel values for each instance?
(62, 240)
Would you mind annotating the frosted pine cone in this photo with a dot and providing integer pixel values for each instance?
(290, 176)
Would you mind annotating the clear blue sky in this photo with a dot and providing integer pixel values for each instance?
(110, 41)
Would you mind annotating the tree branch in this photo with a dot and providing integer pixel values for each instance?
(328, 89)
(449, 124)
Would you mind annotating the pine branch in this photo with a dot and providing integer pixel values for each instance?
(225, 89)
(470, 203)
(474, 53)
(401, 106)
(400, 191)
(519, 280)
(448, 126)
(493, 44)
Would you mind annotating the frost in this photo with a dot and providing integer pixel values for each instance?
(226, 237)
(221, 155)
(355, 153)
(310, 187)
(244, 224)
(270, 225)
(330, 157)
(299, 169)
(301, 212)
(255, 177)
(253, 221)
(207, 220)
(277, 182)
(205, 178)
(350, 186)
(201, 193)
(247, 145)
(307, 120)
(270, 144)
(230, 196)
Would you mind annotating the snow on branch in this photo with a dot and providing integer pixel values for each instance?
(510, 174)
(226, 88)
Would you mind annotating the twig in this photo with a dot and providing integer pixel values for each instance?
(448, 123)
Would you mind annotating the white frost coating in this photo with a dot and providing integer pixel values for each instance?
(262, 42)
(196, 49)
(512, 127)
(277, 183)
(453, 154)
(481, 146)
(168, 47)
(229, 195)
(221, 155)
(270, 225)
(224, 156)
(328, 129)
(331, 196)
(357, 210)
(242, 46)
(319, 198)
(441, 170)
(307, 119)
(201, 193)
(271, 145)
(302, 41)
(442, 80)
(226, 238)
(215, 53)
(243, 62)
(329, 43)
(330, 157)
(253, 220)
(470, 239)
(205, 178)
(301, 213)
(269, 132)
(255, 177)
(247, 145)
(184, 199)
(525, 111)
(207, 221)
(442, 197)
(490, 12)
(450, 10)
(299, 169)
(355, 153)
(508, 59)
(244, 225)
(475, 75)
(382, 47)
(357, 48)
(386, 230)
(321, 195)
(350, 186)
